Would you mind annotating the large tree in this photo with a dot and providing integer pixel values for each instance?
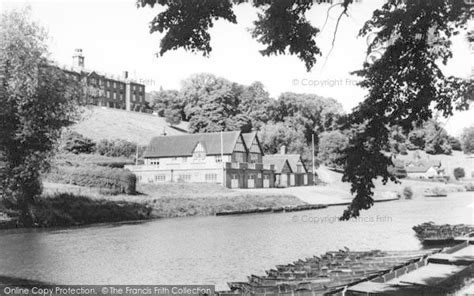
(212, 104)
(404, 82)
(37, 101)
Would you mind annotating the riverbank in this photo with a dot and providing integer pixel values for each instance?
(70, 205)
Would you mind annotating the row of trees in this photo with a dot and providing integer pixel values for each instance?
(430, 137)
(211, 104)
(76, 143)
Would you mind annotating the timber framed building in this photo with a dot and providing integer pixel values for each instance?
(233, 159)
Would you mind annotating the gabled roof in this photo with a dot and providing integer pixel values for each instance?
(183, 145)
(419, 169)
(249, 138)
(293, 160)
(422, 166)
(278, 160)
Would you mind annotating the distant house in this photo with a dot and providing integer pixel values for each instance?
(230, 158)
(424, 169)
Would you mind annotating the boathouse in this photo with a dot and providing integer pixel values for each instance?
(231, 158)
(290, 169)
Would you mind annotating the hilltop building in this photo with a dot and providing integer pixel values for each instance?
(111, 91)
(232, 159)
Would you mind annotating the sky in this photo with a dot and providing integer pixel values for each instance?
(114, 36)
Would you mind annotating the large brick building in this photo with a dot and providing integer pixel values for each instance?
(230, 158)
(118, 92)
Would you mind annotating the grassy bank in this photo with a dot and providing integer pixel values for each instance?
(67, 209)
(68, 205)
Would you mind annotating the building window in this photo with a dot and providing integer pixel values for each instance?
(115, 96)
(199, 152)
(218, 158)
(184, 177)
(266, 177)
(253, 158)
(235, 176)
(239, 157)
(160, 178)
(251, 176)
(108, 83)
(107, 94)
(211, 177)
(154, 162)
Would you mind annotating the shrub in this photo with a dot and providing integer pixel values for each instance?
(459, 173)
(66, 209)
(119, 180)
(77, 143)
(70, 159)
(407, 192)
(116, 148)
(469, 187)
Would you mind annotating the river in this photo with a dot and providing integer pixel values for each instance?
(214, 250)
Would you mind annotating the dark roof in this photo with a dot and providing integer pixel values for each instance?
(278, 160)
(422, 166)
(293, 160)
(419, 169)
(183, 145)
(249, 138)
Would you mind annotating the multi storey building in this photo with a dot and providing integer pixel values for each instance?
(108, 90)
(229, 158)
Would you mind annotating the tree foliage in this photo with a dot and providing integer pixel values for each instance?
(459, 173)
(331, 147)
(212, 104)
(403, 85)
(76, 143)
(431, 137)
(37, 102)
(281, 26)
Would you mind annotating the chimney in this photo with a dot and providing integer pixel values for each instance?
(125, 74)
(78, 58)
(283, 150)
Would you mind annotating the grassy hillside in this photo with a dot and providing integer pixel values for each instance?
(106, 123)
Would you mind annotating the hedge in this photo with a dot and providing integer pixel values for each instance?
(119, 180)
(69, 159)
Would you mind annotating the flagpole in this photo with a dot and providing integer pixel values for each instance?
(313, 171)
(222, 160)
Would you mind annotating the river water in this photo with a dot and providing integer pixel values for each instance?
(215, 250)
